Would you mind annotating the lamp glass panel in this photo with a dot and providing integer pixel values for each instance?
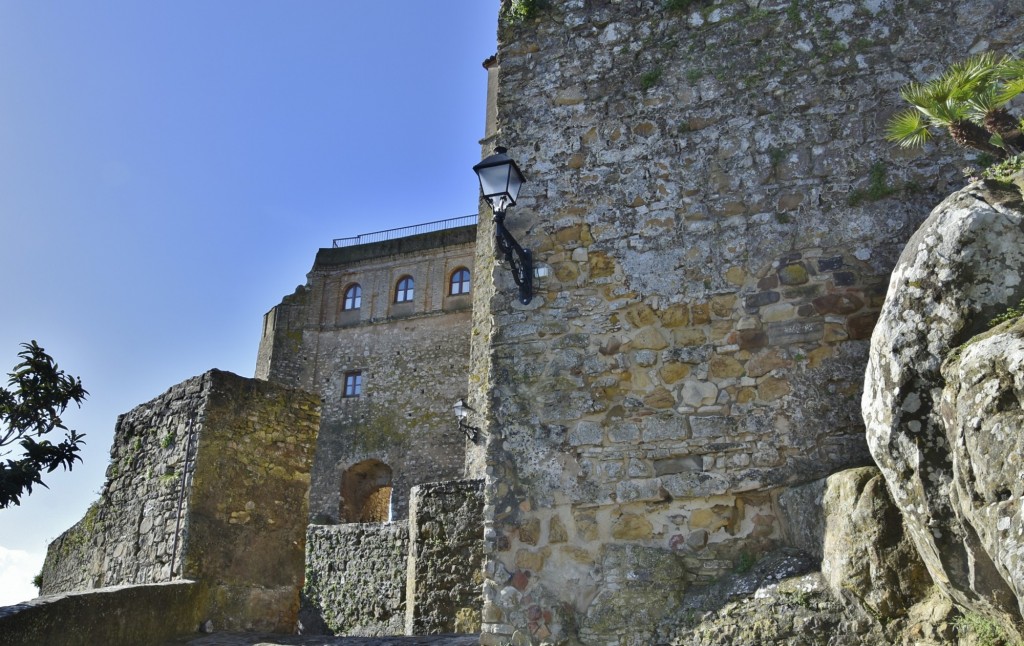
(515, 182)
(494, 179)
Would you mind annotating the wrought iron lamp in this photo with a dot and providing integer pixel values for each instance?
(500, 181)
(461, 413)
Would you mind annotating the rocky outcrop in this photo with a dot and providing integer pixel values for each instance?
(948, 440)
(868, 560)
(983, 412)
(872, 587)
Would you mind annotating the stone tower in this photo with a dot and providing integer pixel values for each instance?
(710, 193)
(381, 332)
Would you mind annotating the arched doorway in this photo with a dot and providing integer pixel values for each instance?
(366, 493)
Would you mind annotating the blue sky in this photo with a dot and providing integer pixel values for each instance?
(169, 169)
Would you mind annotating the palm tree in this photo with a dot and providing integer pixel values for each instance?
(984, 78)
(969, 100)
(940, 103)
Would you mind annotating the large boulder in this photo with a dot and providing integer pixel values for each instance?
(868, 560)
(983, 412)
(963, 267)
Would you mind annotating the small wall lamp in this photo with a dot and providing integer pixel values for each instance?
(500, 181)
(461, 410)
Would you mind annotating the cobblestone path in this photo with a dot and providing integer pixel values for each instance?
(252, 639)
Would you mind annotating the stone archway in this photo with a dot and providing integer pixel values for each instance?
(366, 493)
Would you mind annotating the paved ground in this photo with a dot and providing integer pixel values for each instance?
(250, 639)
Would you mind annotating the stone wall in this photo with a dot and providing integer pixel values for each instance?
(208, 481)
(417, 577)
(711, 195)
(246, 527)
(412, 358)
(355, 578)
(134, 532)
(445, 565)
(117, 616)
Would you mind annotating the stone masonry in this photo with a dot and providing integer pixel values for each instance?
(355, 579)
(416, 578)
(207, 482)
(709, 191)
(412, 359)
(445, 566)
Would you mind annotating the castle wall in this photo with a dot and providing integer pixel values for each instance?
(711, 193)
(118, 616)
(445, 564)
(412, 359)
(355, 578)
(246, 527)
(207, 482)
(415, 577)
(134, 533)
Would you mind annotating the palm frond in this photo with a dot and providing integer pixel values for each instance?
(961, 86)
(980, 68)
(944, 112)
(980, 104)
(1010, 89)
(908, 129)
(1010, 69)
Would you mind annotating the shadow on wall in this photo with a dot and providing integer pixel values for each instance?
(366, 493)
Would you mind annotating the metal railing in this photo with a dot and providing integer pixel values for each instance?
(401, 232)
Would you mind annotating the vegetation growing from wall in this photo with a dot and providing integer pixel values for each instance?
(969, 101)
(520, 10)
(983, 630)
(1005, 170)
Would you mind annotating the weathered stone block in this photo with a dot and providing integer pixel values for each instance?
(677, 465)
(677, 315)
(586, 433)
(764, 362)
(837, 304)
(636, 491)
(794, 274)
(629, 527)
(712, 426)
(724, 367)
(795, 332)
(657, 428)
(761, 299)
(867, 557)
(695, 485)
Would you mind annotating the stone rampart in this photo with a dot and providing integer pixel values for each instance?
(355, 578)
(117, 616)
(718, 213)
(387, 579)
(445, 566)
(133, 534)
(208, 482)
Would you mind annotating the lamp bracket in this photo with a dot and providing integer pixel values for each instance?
(519, 259)
(472, 433)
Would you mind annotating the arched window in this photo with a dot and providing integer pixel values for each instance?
(459, 283)
(366, 493)
(404, 290)
(353, 297)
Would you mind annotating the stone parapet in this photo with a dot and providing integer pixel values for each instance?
(355, 579)
(208, 482)
(445, 566)
(115, 616)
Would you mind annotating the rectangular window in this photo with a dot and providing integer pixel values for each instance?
(353, 384)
